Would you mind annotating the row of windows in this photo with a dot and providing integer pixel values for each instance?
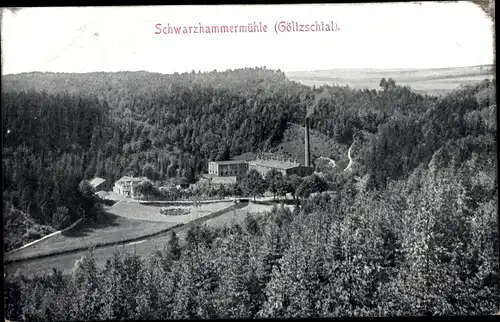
(239, 169)
(230, 169)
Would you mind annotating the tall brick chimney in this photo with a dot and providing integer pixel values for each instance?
(307, 145)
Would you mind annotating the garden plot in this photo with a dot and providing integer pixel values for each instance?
(175, 214)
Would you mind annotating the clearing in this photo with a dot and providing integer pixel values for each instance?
(65, 262)
(151, 212)
(125, 220)
(106, 228)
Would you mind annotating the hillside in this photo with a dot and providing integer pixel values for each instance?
(292, 145)
(20, 228)
(60, 129)
(245, 80)
(321, 145)
(425, 81)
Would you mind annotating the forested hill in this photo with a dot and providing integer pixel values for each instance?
(247, 81)
(176, 123)
(60, 128)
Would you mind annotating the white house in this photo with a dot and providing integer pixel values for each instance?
(126, 185)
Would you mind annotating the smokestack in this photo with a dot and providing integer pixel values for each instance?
(307, 145)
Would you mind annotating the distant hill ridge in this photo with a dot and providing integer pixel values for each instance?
(490, 68)
(428, 81)
(375, 72)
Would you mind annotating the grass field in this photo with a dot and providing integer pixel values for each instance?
(136, 211)
(143, 248)
(120, 222)
(108, 228)
(430, 81)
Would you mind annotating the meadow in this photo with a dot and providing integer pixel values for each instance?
(144, 248)
(119, 223)
(105, 229)
(426, 81)
(136, 211)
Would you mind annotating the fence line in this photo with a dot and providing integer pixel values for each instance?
(95, 246)
(177, 227)
(45, 237)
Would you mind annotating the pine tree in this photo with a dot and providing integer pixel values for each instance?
(174, 248)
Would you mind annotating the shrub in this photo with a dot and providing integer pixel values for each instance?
(174, 211)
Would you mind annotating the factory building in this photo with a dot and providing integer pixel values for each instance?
(234, 170)
(263, 166)
(265, 163)
(227, 168)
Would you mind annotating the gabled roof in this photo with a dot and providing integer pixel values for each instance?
(127, 179)
(274, 164)
(230, 162)
(96, 182)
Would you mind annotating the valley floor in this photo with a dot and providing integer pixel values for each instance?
(121, 228)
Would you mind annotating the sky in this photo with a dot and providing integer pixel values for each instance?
(386, 36)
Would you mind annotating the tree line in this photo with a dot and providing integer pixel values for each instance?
(252, 184)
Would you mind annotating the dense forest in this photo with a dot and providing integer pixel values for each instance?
(411, 230)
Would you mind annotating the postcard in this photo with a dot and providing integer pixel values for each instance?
(249, 161)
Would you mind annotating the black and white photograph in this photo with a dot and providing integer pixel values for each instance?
(249, 161)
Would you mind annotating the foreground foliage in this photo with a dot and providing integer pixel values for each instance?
(424, 246)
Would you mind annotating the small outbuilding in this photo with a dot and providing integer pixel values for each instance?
(100, 184)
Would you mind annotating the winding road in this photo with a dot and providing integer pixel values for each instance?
(349, 166)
